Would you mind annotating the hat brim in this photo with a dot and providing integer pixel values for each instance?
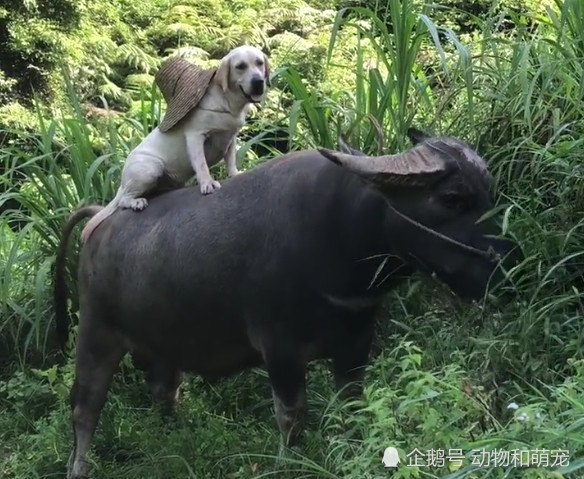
(193, 87)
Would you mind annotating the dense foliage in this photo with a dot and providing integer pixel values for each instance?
(76, 95)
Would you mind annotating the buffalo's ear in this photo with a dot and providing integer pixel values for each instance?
(417, 136)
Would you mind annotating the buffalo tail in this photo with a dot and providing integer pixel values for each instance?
(62, 318)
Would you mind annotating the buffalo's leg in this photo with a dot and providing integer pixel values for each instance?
(163, 379)
(288, 380)
(99, 352)
(350, 359)
(164, 382)
(348, 365)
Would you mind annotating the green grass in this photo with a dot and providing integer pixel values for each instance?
(443, 374)
(227, 430)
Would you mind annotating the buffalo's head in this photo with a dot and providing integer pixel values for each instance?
(438, 196)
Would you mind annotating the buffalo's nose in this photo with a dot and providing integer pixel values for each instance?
(257, 85)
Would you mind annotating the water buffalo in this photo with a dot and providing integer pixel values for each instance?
(285, 264)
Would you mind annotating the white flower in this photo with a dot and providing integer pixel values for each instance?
(513, 406)
(523, 417)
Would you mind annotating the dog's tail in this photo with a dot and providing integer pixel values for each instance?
(62, 319)
(94, 222)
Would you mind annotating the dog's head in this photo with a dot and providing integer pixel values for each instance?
(244, 70)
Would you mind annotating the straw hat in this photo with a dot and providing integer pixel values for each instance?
(183, 86)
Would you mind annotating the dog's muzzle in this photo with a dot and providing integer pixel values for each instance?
(257, 88)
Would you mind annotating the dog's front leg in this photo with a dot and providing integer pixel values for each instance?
(230, 159)
(196, 153)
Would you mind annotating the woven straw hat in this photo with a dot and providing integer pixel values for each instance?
(183, 86)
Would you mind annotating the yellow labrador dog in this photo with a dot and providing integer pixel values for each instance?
(203, 136)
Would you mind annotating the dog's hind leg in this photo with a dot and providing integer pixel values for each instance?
(139, 177)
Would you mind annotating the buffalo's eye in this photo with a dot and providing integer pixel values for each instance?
(241, 66)
(453, 200)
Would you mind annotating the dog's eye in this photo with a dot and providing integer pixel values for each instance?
(259, 63)
(241, 66)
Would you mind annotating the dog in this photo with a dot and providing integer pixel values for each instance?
(206, 110)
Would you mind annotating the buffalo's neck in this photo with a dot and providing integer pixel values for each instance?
(363, 243)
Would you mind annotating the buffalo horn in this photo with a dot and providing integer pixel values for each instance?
(419, 165)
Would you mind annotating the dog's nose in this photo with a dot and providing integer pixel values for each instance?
(257, 85)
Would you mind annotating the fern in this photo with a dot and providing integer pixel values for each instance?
(135, 57)
(195, 54)
(110, 90)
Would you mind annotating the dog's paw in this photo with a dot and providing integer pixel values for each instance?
(233, 172)
(138, 204)
(208, 186)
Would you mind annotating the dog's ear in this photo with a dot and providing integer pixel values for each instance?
(267, 70)
(222, 75)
